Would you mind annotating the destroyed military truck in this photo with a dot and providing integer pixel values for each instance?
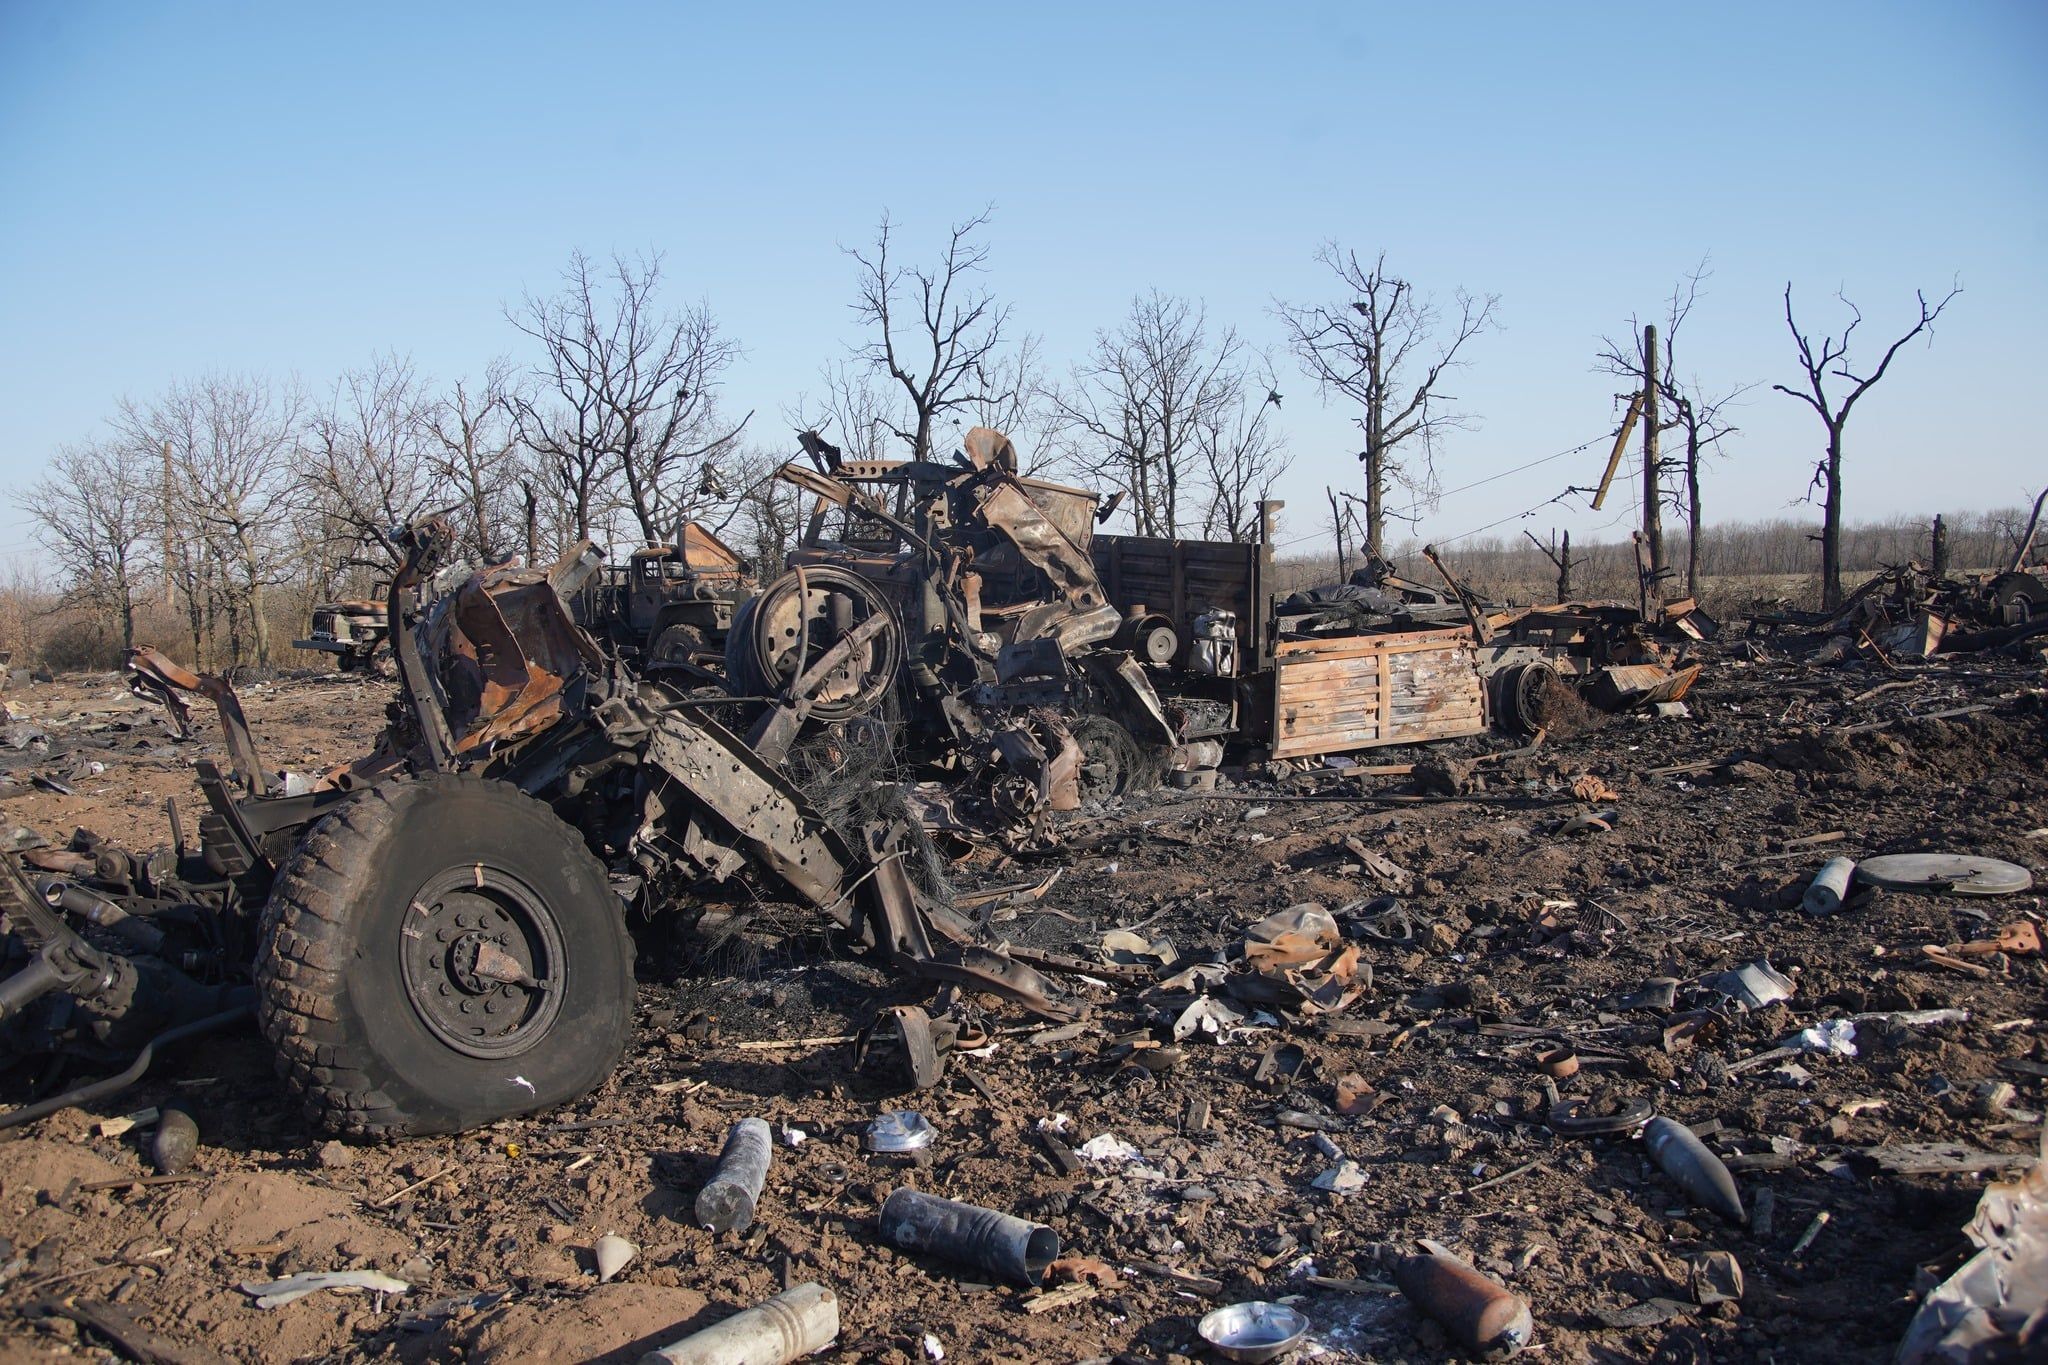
(668, 609)
(435, 935)
(994, 618)
(352, 630)
(980, 635)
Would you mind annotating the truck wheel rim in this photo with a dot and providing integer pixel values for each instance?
(481, 956)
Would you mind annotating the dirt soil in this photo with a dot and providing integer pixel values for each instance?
(1512, 938)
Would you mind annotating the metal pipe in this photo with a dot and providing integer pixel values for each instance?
(794, 1323)
(85, 1094)
(57, 893)
(970, 1234)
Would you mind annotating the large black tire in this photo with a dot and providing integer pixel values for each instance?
(391, 943)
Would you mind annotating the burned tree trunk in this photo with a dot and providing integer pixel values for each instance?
(1819, 362)
(1831, 524)
(1386, 348)
(1692, 512)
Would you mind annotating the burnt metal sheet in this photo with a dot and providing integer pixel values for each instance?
(1088, 617)
(1359, 692)
(726, 778)
(151, 674)
(508, 650)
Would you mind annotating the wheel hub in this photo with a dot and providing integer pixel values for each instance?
(481, 955)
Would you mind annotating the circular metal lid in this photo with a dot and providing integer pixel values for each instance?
(1965, 874)
(1255, 1331)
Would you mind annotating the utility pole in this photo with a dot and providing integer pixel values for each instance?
(1653, 515)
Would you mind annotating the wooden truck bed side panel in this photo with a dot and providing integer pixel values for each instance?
(1357, 692)
(1181, 579)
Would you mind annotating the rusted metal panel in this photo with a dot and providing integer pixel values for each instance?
(508, 650)
(1070, 509)
(1357, 692)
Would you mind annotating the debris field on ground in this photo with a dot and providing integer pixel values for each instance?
(1351, 1032)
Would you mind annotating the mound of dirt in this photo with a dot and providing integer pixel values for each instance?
(46, 1165)
(314, 1226)
(614, 1324)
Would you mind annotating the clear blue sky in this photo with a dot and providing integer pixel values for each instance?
(288, 188)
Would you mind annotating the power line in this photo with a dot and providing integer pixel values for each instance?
(1634, 506)
(1578, 449)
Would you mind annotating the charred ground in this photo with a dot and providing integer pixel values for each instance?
(493, 1229)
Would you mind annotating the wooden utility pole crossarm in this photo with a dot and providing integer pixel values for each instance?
(1628, 426)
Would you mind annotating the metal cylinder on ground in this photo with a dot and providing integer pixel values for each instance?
(726, 1203)
(796, 1322)
(1482, 1315)
(1830, 887)
(1680, 1154)
(996, 1242)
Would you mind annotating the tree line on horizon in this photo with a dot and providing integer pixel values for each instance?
(225, 506)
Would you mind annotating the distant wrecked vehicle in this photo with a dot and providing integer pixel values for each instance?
(999, 605)
(352, 630)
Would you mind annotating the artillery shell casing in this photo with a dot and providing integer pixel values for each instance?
(726, 1203)
(796, 1322)
(1680, 1154)
(1482, 1315)
(1830, 887)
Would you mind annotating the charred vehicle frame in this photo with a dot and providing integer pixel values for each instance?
(436, 934)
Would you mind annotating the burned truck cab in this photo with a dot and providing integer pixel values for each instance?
(982, 630)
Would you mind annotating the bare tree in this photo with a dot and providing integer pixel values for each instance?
(630, 394)
(227, 495)
(1829, 359)
(96, 513)
(1020, 402)
(1140, 408)
(365, 471)
(473, 450)
(854, 412)
(1242, 457)
(1701, 416)
(1387, 349)
(767, 513)
(935, 333)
